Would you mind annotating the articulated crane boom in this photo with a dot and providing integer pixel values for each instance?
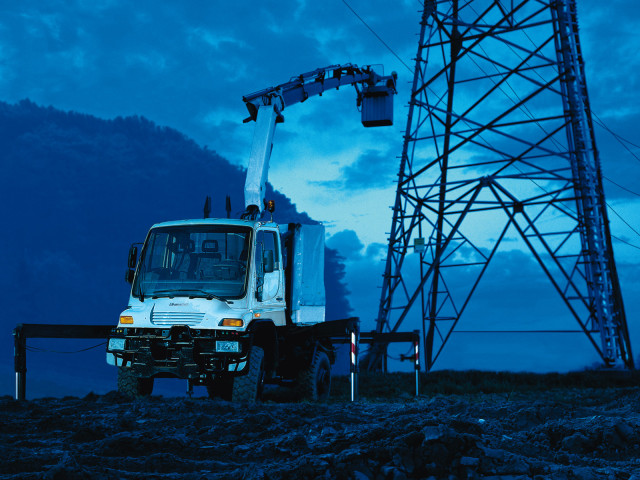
(266, 107)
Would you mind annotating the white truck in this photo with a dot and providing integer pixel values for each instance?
(234, 304)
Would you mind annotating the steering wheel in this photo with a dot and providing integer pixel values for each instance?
(229, 269)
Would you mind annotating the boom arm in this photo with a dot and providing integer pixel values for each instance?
(266, 106)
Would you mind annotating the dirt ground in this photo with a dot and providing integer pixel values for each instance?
(559, 433)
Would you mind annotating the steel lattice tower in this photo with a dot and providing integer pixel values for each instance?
(499, 133)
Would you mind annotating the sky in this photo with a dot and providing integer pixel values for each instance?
(187, 64)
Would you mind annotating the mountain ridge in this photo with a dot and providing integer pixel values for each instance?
(78, 190)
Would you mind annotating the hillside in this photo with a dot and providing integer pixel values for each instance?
(76, 192)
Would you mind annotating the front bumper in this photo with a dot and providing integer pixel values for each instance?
(179, 351)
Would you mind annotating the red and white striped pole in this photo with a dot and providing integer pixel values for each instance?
(416, 359)
(353, 364)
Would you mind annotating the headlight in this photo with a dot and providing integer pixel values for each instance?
(126, 319)
(116, 344)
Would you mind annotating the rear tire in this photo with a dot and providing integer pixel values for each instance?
(315, 382)
(133, 386)
(248, 388)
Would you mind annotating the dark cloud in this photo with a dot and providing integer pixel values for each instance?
(175, 62)
(612, 61)
(187, 64)
(371, 170)
(513, 294)
(376, 250)
(346, 243)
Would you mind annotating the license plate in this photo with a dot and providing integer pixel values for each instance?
(225, 346)
(116, 344)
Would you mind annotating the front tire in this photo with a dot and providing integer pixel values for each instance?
(315, 382)
(220, 387)
(133, 386)
(248, 388)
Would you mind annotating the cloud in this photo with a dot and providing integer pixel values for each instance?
(372, 169)
(183, 64)
(346, 243)
(514, 294)
(612, 60)
(173, 62)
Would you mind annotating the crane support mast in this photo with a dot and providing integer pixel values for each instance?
(266, 106)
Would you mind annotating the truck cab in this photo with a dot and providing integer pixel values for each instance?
(225, 272)
(207, 294)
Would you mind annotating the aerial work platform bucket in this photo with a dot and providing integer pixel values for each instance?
(377, 106)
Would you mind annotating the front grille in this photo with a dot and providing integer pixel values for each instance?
(176, 318)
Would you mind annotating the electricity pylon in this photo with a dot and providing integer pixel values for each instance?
(499, 135)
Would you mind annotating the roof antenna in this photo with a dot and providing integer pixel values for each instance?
(228, 206)
(207, 206)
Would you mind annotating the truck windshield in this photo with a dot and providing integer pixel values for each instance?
(194, 260)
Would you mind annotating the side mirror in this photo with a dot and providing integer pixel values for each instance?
(132, 261)
(268, 261)
(133, 257)
(128, 276)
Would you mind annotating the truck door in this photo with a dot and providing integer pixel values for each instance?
(269, 276)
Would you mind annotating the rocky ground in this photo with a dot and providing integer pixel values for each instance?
(555, 433)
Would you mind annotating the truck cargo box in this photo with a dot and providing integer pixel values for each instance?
(307, 273)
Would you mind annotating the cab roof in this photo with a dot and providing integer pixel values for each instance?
(214, 221)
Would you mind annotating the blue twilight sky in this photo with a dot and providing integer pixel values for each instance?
(186, 64)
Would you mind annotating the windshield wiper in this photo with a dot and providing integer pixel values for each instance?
(163, 293)
(191, 293)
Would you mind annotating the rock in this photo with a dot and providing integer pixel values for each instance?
(412, 439)
(87, 434)
(576, 443)
(509, 465)
(469, 461)
(327, 431)
(508, 477)
(91, 397)
(358, 475)
(404, 460)
(625, 432)
(466, 426)
(295, 443)
(585, 473)
(67, 469)
(432, 433)
(493, 453)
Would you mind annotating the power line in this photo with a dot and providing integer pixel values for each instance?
(624, 241)
(620, 138)
(623, 220)
(378, 36)
(620, 186)
(600, 122)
